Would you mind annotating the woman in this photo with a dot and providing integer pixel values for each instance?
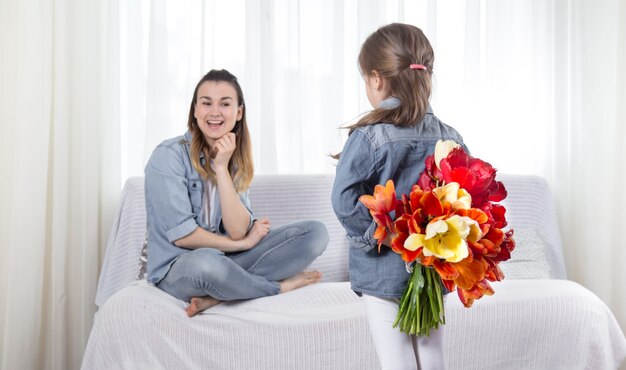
(204, 245)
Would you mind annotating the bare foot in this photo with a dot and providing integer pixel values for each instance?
(199, 304)
(299, 280)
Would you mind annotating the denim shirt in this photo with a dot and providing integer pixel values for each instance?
(372, 155)
(174, 191)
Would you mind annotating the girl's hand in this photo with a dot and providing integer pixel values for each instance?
(388, 239)
(223, 149)
(259, 229)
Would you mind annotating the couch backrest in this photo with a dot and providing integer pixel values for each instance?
(286, 198)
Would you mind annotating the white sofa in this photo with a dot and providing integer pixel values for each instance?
(536, 320)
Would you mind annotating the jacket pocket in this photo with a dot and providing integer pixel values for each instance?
(195, 195)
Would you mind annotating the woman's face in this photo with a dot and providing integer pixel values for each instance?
(217, 109)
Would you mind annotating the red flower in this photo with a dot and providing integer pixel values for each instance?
(430, 176)
(404, 226)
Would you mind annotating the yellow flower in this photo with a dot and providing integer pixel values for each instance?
(457, 197)
(445, 239)
(443, 148)
(475, 233)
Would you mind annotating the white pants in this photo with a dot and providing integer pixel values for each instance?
(397, 350)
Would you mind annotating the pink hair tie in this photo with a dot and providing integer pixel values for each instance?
(418, 66)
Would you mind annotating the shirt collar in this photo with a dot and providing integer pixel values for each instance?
(393, 102)
(188, 136)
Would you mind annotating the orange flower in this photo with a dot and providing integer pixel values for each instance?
(468, 297)
(382, 202)
(471, 271)
(380, 205)
(446, 270)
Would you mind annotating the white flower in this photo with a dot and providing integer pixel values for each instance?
(443, 148)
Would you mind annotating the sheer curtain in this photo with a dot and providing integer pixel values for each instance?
(60, 159)
(495, 72)
(89, 88)
(589, 169)
(295, 79)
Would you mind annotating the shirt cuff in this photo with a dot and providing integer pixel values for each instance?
(182, 230)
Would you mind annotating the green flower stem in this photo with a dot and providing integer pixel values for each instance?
(421, 305)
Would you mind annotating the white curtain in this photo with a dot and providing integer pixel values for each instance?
(589, 168)
(60, 171)
(89, 88)
(295, 61)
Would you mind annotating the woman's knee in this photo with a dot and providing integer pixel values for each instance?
(205, 264)
(318, 236)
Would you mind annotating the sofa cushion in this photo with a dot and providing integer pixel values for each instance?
(529, 259)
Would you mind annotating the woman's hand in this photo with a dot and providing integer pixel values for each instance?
(235, 216)
(223, 149)
(259, 229)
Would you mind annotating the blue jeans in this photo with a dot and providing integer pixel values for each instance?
(254, 273)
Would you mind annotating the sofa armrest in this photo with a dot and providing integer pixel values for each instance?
(121, 263)
(530, 205)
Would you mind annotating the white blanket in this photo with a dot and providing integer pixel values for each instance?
(141, 327)
(537, 323)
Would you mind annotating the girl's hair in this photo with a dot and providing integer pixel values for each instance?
(391, 51)
(240, 166)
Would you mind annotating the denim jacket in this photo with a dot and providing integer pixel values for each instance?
(174, 191)
(372, 155)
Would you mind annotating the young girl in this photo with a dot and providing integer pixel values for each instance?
(390, 142)
(204, 245)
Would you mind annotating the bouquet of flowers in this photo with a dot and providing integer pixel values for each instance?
(448, 230)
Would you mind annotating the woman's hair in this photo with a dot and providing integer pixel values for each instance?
(240, 166)
(391, 51)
